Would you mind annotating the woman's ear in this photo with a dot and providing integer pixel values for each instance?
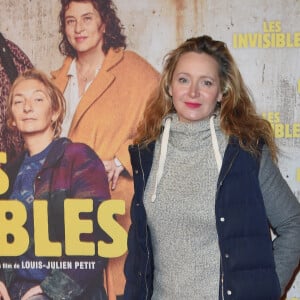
(226, 88)
(220, 97)
(54, 116)
(102, 28)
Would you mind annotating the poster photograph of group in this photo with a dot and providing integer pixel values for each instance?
(149, 150)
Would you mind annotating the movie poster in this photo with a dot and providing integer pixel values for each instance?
(263, 36)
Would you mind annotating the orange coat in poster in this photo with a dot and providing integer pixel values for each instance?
(106, 119)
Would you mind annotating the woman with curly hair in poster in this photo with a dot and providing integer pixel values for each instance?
(13, 61)
(106, 88)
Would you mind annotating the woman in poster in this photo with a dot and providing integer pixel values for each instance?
(106, 88)
(12, 62)
(52, 169)
(207, 189)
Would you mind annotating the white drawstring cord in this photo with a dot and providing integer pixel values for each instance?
(215, 142)
(163, 155)
(164, 147)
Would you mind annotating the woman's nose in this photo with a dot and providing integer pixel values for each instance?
(194, 91)
(79, 27)
(27, 106)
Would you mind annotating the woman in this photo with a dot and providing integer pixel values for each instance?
(12, 61)
(208, 188)
(106, 89)
(51, 169)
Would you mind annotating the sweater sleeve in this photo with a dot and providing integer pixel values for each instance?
(283, 212)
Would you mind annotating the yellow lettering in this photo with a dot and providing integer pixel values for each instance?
(272, 26)
(277, 26)
(280, 40)
(298, 174)
(273, 40)
(4, 181)
(286, 130)
(252, 39)
(265, 27)
(296, 130)
(43, 246)
(235, 45)
(243, 40)
(266, 40)
(259, 40)
(272, 37)
(289, 43)
(276, 117)
(279, 130)
(288, 133)
(272, 117)
(14, 239)
(117, 233)
(297, 39)
(74, 227)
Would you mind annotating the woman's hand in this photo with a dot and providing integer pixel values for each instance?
(113, 171)
(36, 290)
(3, 292)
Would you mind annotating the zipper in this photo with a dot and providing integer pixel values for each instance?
(222, 283)
(227, 171)
(146, 231)
(217, 194)
(140, 161)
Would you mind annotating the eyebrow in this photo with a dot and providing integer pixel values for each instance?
(35, 91)
(84, 15)
(189, 74)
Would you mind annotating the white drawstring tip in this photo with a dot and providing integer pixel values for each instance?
(162, 156)
(215, 142)
(153, 198)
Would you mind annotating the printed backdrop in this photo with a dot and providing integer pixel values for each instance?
(263, 35)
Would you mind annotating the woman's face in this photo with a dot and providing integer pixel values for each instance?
(84, 27)
(195, 86)
(32, 109)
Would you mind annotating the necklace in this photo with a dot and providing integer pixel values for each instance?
(89, 75)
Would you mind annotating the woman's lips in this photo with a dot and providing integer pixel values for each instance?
(192, 104)
(80, 39)
(28, 119)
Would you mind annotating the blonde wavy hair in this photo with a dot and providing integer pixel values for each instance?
(238, 116)
(57, 99)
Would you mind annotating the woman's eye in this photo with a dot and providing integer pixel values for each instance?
(38, 99)
(17, 101)
(207, 83)
(182, 80)
(87, 19)
(70, 22)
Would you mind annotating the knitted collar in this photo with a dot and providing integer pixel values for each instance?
(165, 140)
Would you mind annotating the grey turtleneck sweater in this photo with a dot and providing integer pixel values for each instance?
(182, 217)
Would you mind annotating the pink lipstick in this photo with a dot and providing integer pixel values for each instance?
(192, 104)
